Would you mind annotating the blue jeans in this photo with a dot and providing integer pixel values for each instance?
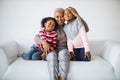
(33, 54)
(80, 54)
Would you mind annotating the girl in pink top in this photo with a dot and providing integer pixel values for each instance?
(77, 41)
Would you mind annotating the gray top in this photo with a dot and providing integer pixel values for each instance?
(72, 29)
(61, 39)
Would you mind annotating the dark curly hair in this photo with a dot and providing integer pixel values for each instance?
(44, 20)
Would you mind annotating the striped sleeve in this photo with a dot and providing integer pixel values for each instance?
(50, 37)
(42, 35)
(54, 40)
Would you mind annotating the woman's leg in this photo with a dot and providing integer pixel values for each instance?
(52, 65)
(64, 59)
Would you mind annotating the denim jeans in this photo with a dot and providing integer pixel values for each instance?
(80, 55)
(33, 54)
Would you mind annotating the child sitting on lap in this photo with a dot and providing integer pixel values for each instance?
(47, 33)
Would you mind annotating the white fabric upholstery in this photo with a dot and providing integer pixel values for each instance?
(104, 65)
(37, 70)
(11, 50)
(97, 69)
(111, 53)
(27, 70)
(3, 63)
(96, 47)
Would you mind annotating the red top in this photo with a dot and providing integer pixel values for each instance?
(50, 37)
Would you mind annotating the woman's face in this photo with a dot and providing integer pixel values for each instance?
(49, 25)
(59, 16)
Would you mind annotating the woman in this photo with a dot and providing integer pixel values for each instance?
(58, 62)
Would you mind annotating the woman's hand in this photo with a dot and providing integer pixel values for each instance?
(46, 46)
(74, 12)
(88, 55)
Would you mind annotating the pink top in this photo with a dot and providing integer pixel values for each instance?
(76, 36)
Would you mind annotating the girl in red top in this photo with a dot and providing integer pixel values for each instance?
(48, 34)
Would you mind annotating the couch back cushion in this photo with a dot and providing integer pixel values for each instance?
(96, 46)
(11, 50)
(24, 46)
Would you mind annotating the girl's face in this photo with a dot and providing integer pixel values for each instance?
(59, 16)
(68, 16)
(49, 25)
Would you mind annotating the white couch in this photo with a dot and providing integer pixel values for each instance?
(105, 63)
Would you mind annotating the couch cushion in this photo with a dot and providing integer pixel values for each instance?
(11, 50)
(27, 70)
(97, 69)
(3, 63)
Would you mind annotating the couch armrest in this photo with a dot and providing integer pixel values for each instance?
(111, 53)
(3, 63)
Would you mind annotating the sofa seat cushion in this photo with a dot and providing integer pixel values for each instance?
(27, 70)
(96, 69)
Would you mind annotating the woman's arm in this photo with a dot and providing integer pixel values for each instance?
(85, 25)
(37, 40)
(45, 44)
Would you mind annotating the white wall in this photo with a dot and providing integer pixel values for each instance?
(20, 19)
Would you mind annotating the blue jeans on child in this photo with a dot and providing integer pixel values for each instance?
(80, 54)
(33, 54)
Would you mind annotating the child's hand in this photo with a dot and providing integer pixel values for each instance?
(88, 55)
(43, 56)
(74, 12)
(46, 46)
(73, 56)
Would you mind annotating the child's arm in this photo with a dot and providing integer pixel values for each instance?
(54, 41)
(88, 55)
(75, 13)
(73, 56)
(85, 42)
(70, 49)
(70, 46)
(44, 54)
(41, 36)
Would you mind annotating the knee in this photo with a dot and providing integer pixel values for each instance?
(52, 56)
(26, 57)
(36, 56)
(64, 55)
